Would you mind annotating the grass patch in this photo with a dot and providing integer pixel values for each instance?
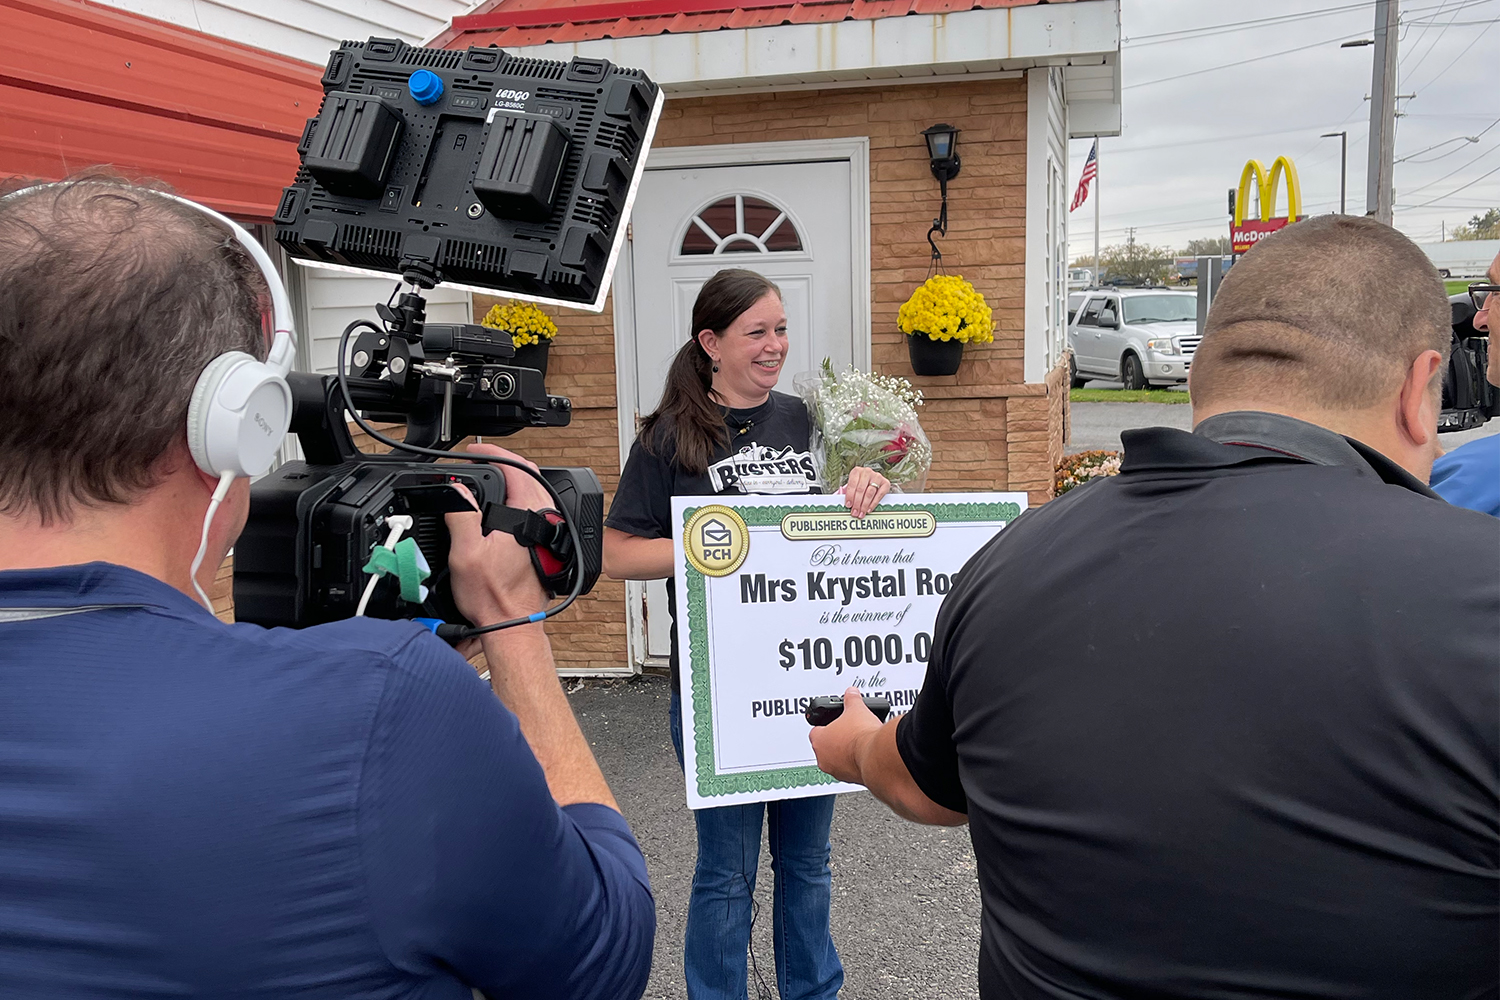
(1127, 396)
(1457, 285)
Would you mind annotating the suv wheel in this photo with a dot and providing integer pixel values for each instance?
(1131, 374)
(1078, 381)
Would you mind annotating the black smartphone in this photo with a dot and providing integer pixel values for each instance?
(823, 710)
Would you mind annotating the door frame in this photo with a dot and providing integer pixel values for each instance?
(855, 151)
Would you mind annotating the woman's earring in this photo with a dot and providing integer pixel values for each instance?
(716, 366)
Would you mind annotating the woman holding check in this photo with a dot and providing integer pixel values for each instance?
(722, 429)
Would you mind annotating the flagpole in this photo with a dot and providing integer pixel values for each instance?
(1096, 211)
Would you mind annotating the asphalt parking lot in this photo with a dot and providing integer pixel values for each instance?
(1098, 425)
(905, 897)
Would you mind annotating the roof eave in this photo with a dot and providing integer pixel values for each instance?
(914, 46)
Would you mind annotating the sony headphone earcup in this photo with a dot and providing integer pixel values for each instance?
(198, 407)
(238, 415)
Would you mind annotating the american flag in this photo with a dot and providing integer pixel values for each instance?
(1090, 171)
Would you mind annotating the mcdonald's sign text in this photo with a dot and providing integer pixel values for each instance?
(1245, 233)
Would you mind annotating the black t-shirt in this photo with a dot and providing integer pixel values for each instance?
(768, 453)
(1227, 724)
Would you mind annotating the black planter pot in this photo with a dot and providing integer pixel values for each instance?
(533, 356)
(934, 357)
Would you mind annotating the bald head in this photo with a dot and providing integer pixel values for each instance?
(1326, 315)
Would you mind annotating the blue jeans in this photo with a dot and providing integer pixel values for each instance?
(719, 910)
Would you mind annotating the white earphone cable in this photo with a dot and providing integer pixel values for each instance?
(220, 492)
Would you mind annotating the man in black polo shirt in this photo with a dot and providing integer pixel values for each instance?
(1228, 724)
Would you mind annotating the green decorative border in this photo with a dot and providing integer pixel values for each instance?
(709, 783)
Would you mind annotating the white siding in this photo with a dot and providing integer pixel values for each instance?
(1047, 111)
(331, 300)
(303, 29)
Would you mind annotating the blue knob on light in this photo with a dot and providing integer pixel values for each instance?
(426, 87)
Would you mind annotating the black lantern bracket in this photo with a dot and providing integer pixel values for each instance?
(942, 151)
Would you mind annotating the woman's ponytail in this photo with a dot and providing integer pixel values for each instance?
(688, 406)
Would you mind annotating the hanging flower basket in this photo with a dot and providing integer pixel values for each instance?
(942, 315)
(530, 329)
(532, 356)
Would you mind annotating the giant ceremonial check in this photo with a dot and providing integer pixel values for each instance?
(780, 602)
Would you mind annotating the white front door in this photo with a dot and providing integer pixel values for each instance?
(803, 224)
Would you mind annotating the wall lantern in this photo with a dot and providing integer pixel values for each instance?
(942, 150)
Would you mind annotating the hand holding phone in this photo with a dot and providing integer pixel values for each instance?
(824, 709)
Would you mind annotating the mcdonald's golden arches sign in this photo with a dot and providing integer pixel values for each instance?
(1245, 233)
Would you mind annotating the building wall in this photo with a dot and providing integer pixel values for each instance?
(990, 430)
(303, 29)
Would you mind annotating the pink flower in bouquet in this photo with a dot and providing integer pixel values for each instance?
(896, 450)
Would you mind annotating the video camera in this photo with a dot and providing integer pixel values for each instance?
(1468, 397)
(476, 169)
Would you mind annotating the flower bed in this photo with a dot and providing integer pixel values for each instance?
(1075, 470)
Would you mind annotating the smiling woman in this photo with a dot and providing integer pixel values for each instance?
(721, 429)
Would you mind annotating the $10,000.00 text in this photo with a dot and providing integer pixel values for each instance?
(858, 651)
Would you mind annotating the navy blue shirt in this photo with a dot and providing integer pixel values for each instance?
(189, 808)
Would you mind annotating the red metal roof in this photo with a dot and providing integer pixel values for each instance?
(514, 23)
(85, 85)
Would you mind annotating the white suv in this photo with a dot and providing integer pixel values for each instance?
(1141, 336)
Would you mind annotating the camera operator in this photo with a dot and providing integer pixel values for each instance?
(1271, 769)
(1469, 476)
(189, 808)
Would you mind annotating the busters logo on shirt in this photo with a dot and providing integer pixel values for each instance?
(758, 469)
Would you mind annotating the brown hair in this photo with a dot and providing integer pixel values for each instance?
(689, 413)
(112, 302)
(1330, 311)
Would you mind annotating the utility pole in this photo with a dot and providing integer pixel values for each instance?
(1380, 185)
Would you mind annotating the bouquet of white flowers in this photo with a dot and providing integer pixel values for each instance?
(859, 418)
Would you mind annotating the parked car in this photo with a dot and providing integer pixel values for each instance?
(1075, 299)
(1143, 337)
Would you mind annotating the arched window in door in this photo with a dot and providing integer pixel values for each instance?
(741, 223)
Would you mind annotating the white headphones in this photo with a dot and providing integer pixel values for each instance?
(241, 408)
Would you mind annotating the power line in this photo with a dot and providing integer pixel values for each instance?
(1437, 36)
(1242, 62)
(1455, 170)
(1454, 62)
(1183, 34)
(1457, 138)
(1115, 151)
(1463, 187)
(1187, 34)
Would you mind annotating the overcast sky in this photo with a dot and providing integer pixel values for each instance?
(1204, 92)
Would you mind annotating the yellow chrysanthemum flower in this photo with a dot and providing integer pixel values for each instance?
(946, 307)
(525, 323)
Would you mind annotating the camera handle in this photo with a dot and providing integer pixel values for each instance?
(544, 532)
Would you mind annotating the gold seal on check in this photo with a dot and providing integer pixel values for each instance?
(716, 540)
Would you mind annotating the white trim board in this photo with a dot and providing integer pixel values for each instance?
(1046, 221)
(1086, 32)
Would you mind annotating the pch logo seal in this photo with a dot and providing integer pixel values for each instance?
(716, 540)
